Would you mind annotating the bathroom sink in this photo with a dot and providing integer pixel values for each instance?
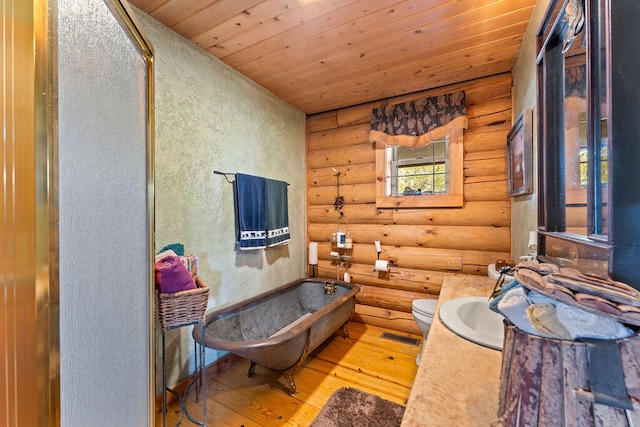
(471, 318)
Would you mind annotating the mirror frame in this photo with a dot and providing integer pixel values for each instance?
(555, 244)
(616, 256)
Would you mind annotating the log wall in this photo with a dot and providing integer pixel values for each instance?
(426, 244)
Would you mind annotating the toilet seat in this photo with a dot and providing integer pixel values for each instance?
(423, 311)
(424, 307)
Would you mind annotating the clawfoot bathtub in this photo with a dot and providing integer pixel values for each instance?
(279, 328)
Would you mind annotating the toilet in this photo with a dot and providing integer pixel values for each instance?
(423, 311)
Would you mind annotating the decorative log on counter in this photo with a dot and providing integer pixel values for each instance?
(545, 382)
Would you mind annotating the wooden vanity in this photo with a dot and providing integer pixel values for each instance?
(458, 382)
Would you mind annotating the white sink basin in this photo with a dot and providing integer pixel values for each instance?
(471, 318)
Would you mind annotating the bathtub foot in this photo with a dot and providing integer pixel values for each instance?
(292, 384)
(252, 369)
(345, 331)
(288, 374)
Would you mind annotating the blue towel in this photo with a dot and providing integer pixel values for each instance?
(277, 213)
(251, 214)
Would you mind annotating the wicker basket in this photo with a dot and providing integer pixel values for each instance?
(182, 308)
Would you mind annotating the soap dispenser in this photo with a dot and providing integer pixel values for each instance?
(340, 238)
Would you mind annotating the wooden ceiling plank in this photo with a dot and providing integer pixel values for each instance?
(509, 37)
(171, 12)
(178, 14)
(498, 38)
(376, 27)
(399, 32)
(340, 19)
(254, 17)
(416, 71)
(377, 82)
(465, 75)
(219, 12)
(228, 37)
(314, 100)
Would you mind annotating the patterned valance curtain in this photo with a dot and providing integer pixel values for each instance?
(416, 123)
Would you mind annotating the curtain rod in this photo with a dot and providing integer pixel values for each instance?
(226, 177)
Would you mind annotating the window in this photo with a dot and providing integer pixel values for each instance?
(584, 151)
(419, 170)
(419, 152)
(427, 176)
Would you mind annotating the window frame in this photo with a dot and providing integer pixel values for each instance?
(454, 198)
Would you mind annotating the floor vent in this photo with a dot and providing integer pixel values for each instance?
(400, 338)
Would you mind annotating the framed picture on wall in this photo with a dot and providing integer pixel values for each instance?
(520, 155)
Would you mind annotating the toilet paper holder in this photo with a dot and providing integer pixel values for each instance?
(389, 263)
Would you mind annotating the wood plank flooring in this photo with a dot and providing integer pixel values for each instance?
(366, 361)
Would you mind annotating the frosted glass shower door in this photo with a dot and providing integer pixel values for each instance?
(105, 216)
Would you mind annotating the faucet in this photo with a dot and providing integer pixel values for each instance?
(330, 288)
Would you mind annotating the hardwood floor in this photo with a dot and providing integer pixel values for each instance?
(366, 361)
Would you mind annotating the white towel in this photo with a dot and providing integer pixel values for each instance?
(582, 324)
(513, 306)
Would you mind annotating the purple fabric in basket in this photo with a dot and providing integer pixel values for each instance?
(172, 275)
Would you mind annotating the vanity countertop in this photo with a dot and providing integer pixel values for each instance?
(458, 382)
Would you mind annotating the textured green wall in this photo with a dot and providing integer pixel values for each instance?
(209, 117)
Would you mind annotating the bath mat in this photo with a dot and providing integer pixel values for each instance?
(349, 407)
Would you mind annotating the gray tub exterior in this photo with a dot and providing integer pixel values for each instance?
(247, 328)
